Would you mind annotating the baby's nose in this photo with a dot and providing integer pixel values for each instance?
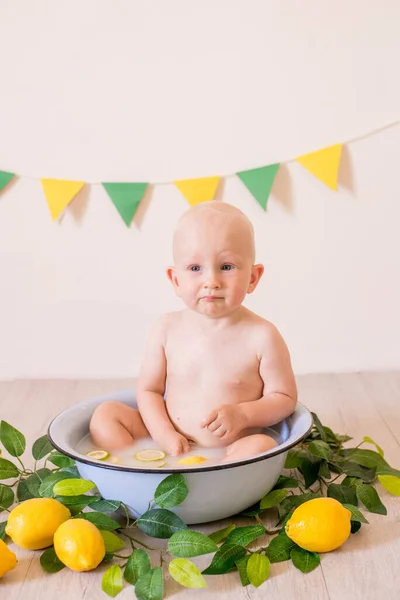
(212, 280)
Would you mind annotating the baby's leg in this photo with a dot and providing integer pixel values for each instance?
(249, 446)
(115, 425)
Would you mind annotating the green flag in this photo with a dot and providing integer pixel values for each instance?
(126, 198)
(259, 182)
(5, 178)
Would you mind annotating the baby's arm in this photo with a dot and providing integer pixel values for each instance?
(279, 393)
(150, 393)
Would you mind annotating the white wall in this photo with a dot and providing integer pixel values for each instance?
(167, 89)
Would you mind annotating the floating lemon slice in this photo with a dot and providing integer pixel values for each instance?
(114, 460)
(98, 454)
(191, 460)
(149, 455)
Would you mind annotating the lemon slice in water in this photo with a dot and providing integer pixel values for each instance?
(98, 454)
(191, 460)
(149, 455)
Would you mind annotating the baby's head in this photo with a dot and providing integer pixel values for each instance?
(213, 250)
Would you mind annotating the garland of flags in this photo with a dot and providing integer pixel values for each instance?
(126, 197)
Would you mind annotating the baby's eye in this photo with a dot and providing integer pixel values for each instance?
(227, 267)
(194, 268)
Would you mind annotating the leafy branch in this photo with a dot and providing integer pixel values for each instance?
(320, 465)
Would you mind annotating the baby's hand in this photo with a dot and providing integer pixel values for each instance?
(174, 444)
(226, 422)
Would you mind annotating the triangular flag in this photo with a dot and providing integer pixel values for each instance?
(5, 178)
(198, 190)
(259, 182)
(126, 198)
(323, 164)
(59, 193)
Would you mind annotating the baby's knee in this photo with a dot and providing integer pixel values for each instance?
(105, 412)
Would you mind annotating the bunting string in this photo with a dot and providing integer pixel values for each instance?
(323, 164)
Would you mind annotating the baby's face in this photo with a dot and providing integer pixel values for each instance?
(214, 265)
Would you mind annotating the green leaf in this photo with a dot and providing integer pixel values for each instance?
(6, 497)
(42, 447)
(23, 492)
(309, 469)
(60, 460)
(225, 559)
(244, 535)
(12, 439)
(390, 483)
(73, 487)
(370, 498)
(356, 514)
(81, 500)
(50, 561)
(370, 459)
(112, 542)
(320, 449)
(331, 436)
(150, 586)
(258, 569)
(241, 565)
(286, 482)
(112, 582)
(187, 543)
(73, 470)
(319, 427)
(105, 506)
(272, 499)
(324, 470)
(369, 440)
(251, 511)
(342, 493)
(46, 487)
(355, 470)
(160, 523)
(3, 534)
(100, 520)
(7, 469)
(351, 481)
(303, 560)
(221, 534)
(171, 491)
(295, 458)
(186, 573)
(293, 502)
(138, 565)
(279, 548)
(35, 480)
(355, 526)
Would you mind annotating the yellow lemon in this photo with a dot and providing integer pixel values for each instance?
(79, 545)
(32, 523)
(8, 560)
(98, 454)
(150, 455)
(191, 460)
(319, 525)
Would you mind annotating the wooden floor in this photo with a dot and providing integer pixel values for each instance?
(367, 567)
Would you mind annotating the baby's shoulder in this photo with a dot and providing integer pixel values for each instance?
(265, 333)
(167, 322)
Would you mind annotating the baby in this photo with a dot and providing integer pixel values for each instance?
(228, 370)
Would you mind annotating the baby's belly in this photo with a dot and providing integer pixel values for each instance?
(187, 416)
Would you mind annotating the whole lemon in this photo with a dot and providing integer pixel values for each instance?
(8, 560)
(79, 545)
(32, 523)
(319, 525)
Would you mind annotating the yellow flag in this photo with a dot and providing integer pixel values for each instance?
(59, 194)
(323, 164)
(198, 190)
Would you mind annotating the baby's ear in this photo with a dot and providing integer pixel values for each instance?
(256, 274)
(172, 276)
